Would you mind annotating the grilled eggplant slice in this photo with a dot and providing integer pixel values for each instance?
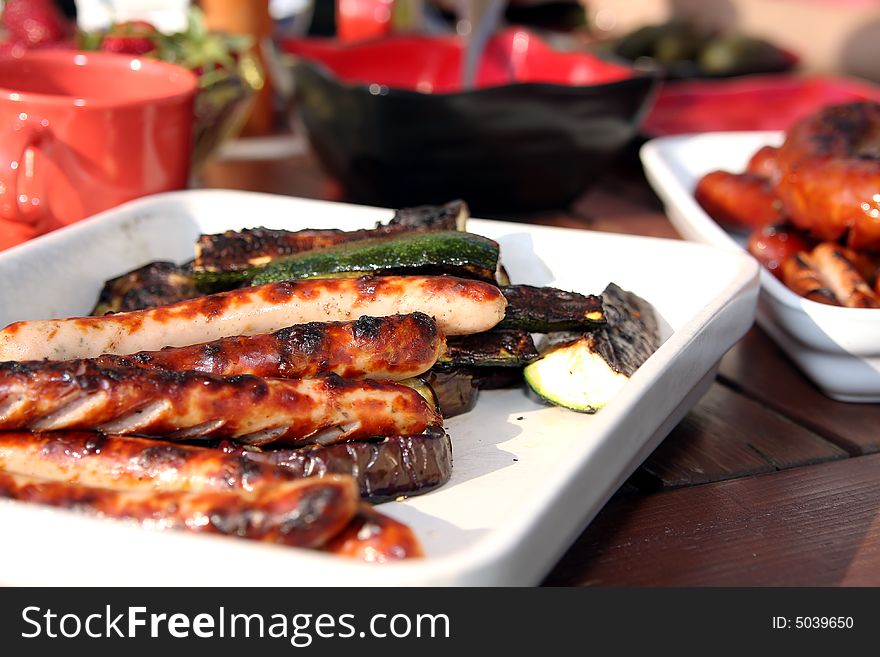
(583, 371)
(495, 348)
(384, 470)
(446, 252)
(547, 309)
(156, 284)
(237, 250)
(497, 378)
(456, 390)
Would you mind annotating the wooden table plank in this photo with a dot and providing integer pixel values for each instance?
(759, 369)
(813, 526)
(727, 435)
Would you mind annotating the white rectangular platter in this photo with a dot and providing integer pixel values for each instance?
(526, 478)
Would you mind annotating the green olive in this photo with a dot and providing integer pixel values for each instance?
(638, 43)
(731, 54)
(678, 42)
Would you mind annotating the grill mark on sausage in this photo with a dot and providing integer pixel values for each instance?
(304, 408)
(393, 347)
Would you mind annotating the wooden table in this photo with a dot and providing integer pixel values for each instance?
(765, 482)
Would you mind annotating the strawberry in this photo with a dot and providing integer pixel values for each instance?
(34, 22)
(131, 38)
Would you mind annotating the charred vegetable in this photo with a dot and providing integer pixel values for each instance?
(546, 309)
(492, 359)
(496, 348)
(237, 250)
(155, 284)
(496, 378)
(447, 252)
(393, 466)
(584, 371)
(456, 390)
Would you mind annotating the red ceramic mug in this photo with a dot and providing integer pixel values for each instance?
(83, 132)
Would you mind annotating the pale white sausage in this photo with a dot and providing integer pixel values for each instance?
(459, 306)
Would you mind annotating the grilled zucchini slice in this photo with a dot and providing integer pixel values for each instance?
(584, 371)
(548, 309)
(237, 250)
(446, 252)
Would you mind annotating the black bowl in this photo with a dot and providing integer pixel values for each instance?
(514, 146)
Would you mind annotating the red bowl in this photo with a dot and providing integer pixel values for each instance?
(390, 120)
(434, 64)
(761, 102)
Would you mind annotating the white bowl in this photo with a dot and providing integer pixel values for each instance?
(838, 348)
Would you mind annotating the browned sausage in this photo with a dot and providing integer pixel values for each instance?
(303, 513)
(387, 348)
(800, 275)
(830, 174)
(765, 164)
(740, 202)
(458, 306)
(376, 538)
(48, 396)
(837, 269)
(133, 463)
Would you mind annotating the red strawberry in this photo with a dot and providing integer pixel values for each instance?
(131, 38)
(34, 22)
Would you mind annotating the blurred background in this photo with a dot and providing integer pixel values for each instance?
(514, 105)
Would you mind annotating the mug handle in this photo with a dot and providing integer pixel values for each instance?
(13, 147)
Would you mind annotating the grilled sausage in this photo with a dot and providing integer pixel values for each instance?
(132, 463)
(801, 276)
(47, 396)
(374, 537)
(773, 245)
(739, 202)
(398, 465)
(837, 269)
(387, 348)
(459, 307)
(830, 174)
(304, 513)
(765, 164)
